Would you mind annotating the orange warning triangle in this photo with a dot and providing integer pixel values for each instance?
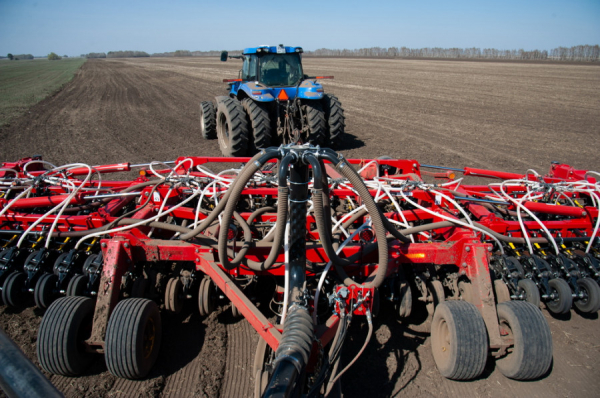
(283, 96)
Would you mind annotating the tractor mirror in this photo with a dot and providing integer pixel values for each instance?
(224, 56)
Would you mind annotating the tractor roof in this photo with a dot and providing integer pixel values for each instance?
(272, 49)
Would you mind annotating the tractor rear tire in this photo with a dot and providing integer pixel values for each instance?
(65, 326)
(133, 338)
(260, 124)
(591, 302)
(336, 122)
(459, 340)
(531, 354)
(315, 120)
(563, 303)
(232, 128)
(208, 120)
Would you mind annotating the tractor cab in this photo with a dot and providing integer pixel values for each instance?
(273, 70)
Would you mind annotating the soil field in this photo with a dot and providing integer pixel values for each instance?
(506, 116)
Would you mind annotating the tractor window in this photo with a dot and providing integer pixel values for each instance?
(280, 70)
(249, 68)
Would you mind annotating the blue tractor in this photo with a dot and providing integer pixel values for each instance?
(272, 102)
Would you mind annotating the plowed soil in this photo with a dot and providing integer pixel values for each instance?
(506, 116)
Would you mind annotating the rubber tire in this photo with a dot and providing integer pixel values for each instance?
(315, 119)
(260, 124)
(12, 290)
(261, 376)
(235, 312)
(77, 285)
(65, 325)
(125, 338)
(532, 293)
(45, 291)
(501, 291)
(201, 298)
(436, 289)
(459, 340)
(531, 355)
(565, 299)
(208, 296)
(404, 307)
(591, 288)
(232, 128)
(336, 122)
(173, 301)
(208, 120)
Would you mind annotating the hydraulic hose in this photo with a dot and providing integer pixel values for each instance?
(348, 172)
(293, 352)
(247, 172)
(235, 192)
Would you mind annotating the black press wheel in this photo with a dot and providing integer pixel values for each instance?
(13, 290)
(562, 297)
(133, 338)
(45, 291)
(232, 127)
(501, 291)
(235, 312)
(208, 120)
(436, 293)
(263, 358)
(531, 355)
(529, 291)
(336, 122)
(173, 295)
(77, 285)
(459, 340)
(590, 302)
(65, 326)
(404, 304)
(260, 124)
(206, 297)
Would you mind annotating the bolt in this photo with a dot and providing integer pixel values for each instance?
(103, 244)
(468, 248)
(126, 245)
(197, 250)
(489, 248)
(464, 265)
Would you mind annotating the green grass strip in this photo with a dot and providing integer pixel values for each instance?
(24, 83)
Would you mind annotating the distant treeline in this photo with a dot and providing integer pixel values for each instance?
(22, 56)
(187, 53)
(575, 53)
(117, 54)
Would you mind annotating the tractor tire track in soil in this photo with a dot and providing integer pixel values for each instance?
(507, 116)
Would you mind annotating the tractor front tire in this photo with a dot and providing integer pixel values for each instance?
(260, 124)
(232, 128)
(336, 122)
(208, 120)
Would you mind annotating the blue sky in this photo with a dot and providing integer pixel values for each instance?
(76, 27)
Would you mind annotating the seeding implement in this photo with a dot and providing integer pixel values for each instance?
(326, 239)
